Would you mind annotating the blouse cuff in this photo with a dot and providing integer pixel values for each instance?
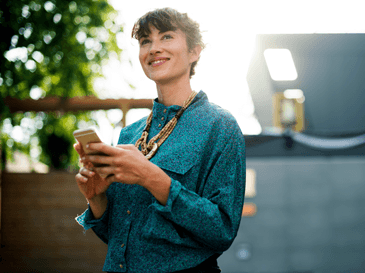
(87, 219)
(175, 189)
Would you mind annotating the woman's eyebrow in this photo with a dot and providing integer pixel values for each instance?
(143, 36)
(166, 31)
(160, 32)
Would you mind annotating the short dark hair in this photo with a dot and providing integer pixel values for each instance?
(167, 19)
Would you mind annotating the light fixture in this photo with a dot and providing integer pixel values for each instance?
(294, 94)
(250, 183)
(280, 64)
(288, 110)
(243, 252)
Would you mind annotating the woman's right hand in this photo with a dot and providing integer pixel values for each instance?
(90, 183)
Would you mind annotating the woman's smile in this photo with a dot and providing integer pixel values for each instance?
(158, 61)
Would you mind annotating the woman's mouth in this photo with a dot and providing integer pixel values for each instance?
(158, 62)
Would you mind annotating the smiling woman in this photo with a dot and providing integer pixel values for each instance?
(187, 28)
(169, 49)
(174, 192)
(164, 56)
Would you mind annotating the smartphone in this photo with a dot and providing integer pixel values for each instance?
(85, 136)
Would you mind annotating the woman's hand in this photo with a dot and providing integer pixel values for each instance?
(90, 184)
(126, 164)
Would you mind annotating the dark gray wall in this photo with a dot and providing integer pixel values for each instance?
(310, 217)
(331, 74)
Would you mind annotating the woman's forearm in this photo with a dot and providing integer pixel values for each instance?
(157, 182)
(98, 205)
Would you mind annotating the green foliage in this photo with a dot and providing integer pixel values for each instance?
(55, 139)
(51, 48)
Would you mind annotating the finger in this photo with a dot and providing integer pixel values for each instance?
(84, 162)
(105, 170)
(88, 165)
(79, 149)
(110, 178)
(81, 179)
(86, 172)
(102, 147)
(105, 160)
(126, 146)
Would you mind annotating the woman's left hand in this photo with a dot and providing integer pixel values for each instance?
(126, 164)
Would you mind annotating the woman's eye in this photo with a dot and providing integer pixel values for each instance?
(145, 41)
(167, 36)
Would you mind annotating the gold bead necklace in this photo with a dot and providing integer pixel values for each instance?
(150, 149)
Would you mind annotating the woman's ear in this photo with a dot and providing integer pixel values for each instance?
(195, 53)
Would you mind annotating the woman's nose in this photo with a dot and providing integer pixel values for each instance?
(155, 48)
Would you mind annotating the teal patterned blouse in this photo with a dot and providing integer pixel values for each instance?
(205, 159)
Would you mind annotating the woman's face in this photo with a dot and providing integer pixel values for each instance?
(165, 57)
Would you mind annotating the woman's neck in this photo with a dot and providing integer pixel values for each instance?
(173, 94)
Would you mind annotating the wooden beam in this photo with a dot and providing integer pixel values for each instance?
(87, 103)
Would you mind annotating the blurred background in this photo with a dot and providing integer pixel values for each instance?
(291, 72)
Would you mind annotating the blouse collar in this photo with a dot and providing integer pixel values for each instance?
(159, 108)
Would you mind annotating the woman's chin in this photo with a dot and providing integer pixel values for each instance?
(161, 80)
(166, 79)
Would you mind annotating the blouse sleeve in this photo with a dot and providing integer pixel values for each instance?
(211, 220)
(99, 226)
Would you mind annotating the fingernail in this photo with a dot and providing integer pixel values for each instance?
(83, 158)
(84, 179)
(87, 146)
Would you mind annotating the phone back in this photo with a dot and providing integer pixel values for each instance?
(85, 136)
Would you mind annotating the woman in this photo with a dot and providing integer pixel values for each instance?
(174, 188)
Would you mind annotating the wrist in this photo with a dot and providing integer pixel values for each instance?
(98, 205)
(97, 198)
(151, 175)
(158, 183)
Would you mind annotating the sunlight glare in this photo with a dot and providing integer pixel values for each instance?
(230, 33)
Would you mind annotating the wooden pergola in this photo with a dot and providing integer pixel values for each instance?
(87, 103)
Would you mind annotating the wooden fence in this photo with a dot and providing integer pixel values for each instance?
(38, 228)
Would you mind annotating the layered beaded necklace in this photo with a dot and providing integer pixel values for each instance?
(150, 149)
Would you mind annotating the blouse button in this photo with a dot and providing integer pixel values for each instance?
(164, 111)
(121, 266)
(122, 245)
(162, 118)
(128, 212)
(159, 125)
